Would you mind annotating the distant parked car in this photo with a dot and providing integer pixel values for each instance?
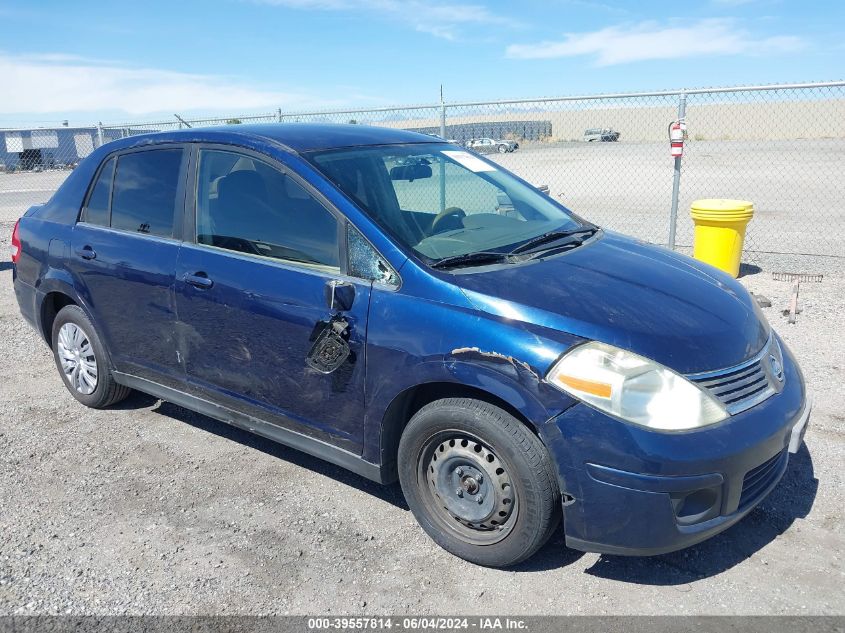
(488, 145)
(601, 134)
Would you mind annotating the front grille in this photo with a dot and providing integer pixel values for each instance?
(758, 479)
(745, 385)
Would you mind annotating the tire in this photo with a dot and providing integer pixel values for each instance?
(483, 452)
(503, 149)
(76, 349)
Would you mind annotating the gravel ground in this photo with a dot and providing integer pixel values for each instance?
(151, 509)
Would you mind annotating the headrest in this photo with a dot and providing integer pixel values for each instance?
(240, 184)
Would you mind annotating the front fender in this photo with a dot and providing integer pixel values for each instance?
(429, 332)
(503, 377)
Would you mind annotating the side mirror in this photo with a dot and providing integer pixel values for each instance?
(340, 296)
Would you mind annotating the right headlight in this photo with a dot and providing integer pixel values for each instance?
(634, 388)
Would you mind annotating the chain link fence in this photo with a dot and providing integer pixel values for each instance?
(606, 157)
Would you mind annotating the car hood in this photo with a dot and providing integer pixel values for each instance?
(665, 306)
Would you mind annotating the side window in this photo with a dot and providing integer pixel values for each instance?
(145, 186)
(96, 211)
(248, 206)
(365, 262)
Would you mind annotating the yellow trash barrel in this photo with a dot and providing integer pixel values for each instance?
(720, 231)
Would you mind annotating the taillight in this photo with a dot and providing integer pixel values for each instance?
(16, 243)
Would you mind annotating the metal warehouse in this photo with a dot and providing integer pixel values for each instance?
(50, 148)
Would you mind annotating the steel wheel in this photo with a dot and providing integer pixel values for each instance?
(469, 489)
(76, 355)
(479, 482)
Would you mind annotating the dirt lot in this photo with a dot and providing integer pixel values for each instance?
(149, 508)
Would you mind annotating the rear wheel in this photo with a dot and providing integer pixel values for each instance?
(478, 481)
(81, 360)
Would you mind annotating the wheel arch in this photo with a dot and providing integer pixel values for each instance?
(405, 404)
(51, 304)
(55, 293)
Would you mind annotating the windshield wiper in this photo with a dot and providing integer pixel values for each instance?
(577, 236)
(470, 259)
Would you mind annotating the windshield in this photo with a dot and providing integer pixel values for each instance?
(442, 201)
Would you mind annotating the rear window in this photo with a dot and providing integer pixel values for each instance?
(145, 186)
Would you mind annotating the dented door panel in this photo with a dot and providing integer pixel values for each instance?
(246, 338)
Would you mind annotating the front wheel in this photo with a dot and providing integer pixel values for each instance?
(503, 149)
(478, 481)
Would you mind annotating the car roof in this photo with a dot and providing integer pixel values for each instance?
(299, 137)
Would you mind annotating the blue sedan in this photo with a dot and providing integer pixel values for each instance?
(409, 310)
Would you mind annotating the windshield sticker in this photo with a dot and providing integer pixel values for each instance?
(473, 163)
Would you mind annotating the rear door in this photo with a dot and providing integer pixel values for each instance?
(251, 297)
(124, 251)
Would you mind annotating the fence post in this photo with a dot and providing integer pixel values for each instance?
(442, 118)
(280, 115)
(100, 134)
(676, 180)
(442, 159)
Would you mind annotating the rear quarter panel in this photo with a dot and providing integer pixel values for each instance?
(41, 269)
(45, 234)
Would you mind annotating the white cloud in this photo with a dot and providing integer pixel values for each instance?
(650, 40)
(50, 83)
(446, 21)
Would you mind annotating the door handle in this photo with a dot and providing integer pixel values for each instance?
(86, 252)
(198, 280)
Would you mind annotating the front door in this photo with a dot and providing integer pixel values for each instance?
(125, 248)
(251, 295)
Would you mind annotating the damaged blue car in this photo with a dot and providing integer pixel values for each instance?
(410, 310)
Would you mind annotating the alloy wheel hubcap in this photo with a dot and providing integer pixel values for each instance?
(76, 355)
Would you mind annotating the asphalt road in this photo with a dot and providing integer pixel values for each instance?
(151, 509)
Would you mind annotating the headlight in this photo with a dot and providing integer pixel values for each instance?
(634, 388)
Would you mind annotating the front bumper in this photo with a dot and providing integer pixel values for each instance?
(631, 491)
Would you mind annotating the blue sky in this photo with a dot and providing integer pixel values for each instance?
(126, 61)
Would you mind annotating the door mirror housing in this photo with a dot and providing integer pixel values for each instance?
(340, 295)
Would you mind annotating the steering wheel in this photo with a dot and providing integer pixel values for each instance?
(449, 212)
